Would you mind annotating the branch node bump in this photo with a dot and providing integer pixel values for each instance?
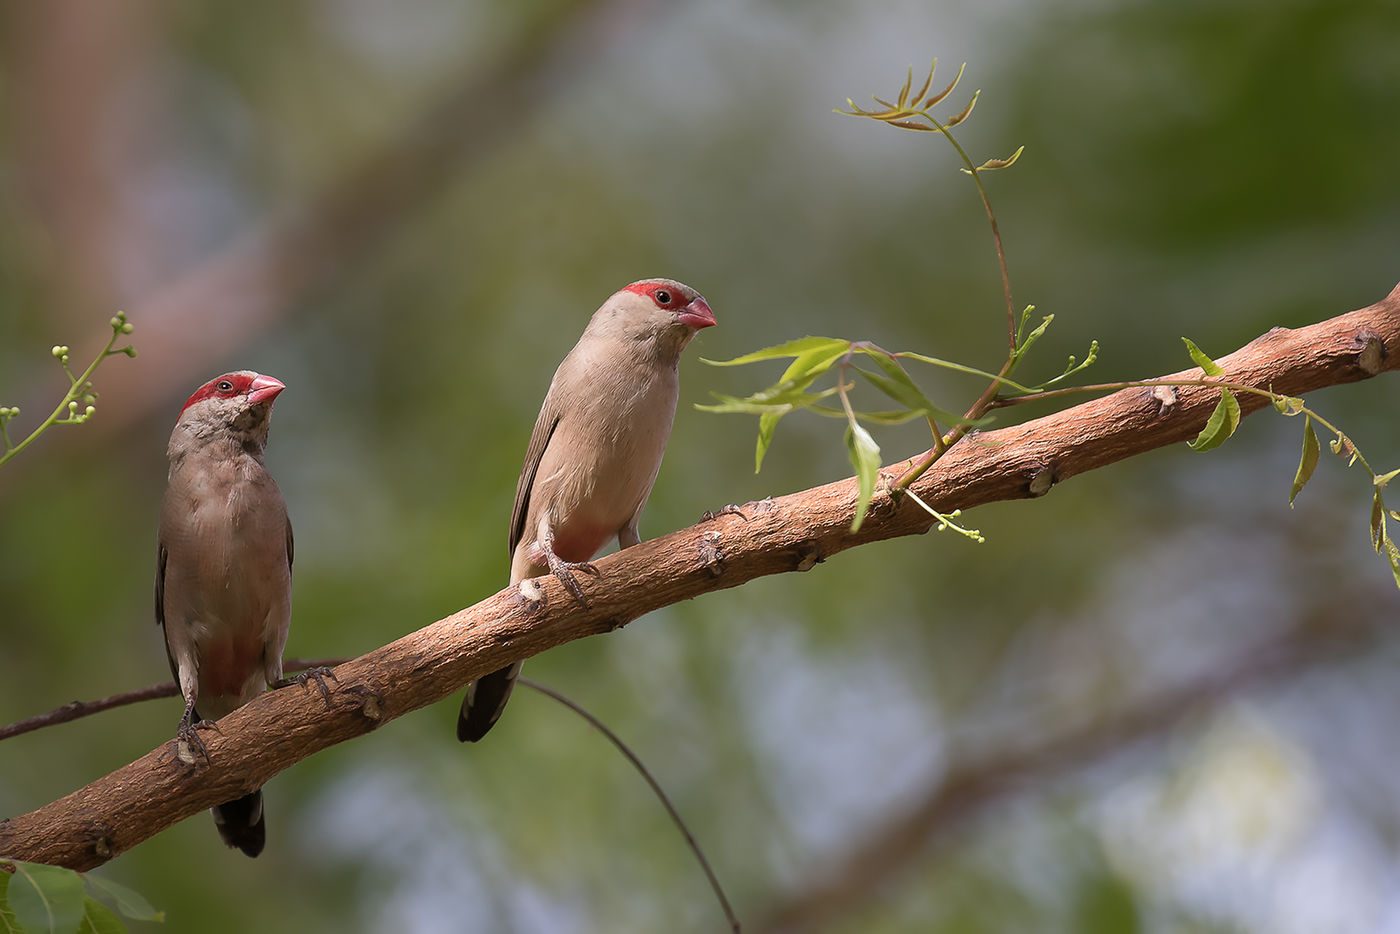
(532, 594)
(1371, 352)
(1165, 398)
(371, 705)
(809, 555)
(1041, 483)
(711, 558)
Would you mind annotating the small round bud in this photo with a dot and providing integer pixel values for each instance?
(72, 408)
(59, 350)
(87, 412)
(127, 328)
(129, 351)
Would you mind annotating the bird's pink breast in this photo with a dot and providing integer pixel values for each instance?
(226, 664)
(578, 541)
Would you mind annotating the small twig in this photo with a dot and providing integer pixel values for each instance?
(655, 787)
(79, 388)
(76, 710)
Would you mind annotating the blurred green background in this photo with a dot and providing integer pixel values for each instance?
(407, 212)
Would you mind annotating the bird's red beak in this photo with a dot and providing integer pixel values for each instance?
(697, 315)
(264, 389)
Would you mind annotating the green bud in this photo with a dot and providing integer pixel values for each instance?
(72, 408)
(129, 351)
(128, 328)
(87, 413)
(59, 351)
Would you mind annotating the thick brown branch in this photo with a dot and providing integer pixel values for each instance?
(794, 532)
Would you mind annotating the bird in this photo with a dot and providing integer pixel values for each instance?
(223, 590)
(595, 451)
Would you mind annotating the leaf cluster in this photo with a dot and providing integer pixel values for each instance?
(40, 899)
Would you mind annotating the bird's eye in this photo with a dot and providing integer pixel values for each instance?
(663, 297)
(224, 386)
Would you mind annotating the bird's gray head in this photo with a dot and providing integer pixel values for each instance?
(659, 313)
(237, 406)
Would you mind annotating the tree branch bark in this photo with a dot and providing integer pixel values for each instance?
(791, 533)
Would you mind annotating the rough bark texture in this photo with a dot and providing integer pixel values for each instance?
(790, 533)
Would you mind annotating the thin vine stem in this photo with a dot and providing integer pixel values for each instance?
(661, 796)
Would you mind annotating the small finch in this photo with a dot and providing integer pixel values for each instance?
(595, 451)
(224, 568)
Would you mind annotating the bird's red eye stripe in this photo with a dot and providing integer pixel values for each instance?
(230, 384)
(663, 293)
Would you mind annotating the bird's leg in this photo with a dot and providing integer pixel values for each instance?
(319, 674)
(188, 743)
(564, 570)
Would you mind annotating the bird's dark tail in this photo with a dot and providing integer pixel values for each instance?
(240, 823)
(486, 698)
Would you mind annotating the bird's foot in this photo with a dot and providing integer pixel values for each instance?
(319, 674)
(564, 570)
(730, 509)
(188, 742)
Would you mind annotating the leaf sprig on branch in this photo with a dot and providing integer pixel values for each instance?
(814, 357)
(78, 404)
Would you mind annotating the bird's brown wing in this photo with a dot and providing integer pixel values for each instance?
(161, 557)
(539, 440)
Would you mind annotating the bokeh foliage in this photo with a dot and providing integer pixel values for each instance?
(1211, 169)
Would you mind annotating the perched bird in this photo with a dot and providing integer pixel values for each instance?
(595, 451)
(224, 568)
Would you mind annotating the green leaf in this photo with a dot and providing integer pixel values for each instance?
(959, 368)
(917, 404)
(1002, 163)
(129, 902)
(790, 349)
(898, 386)
(1385, 478)
(780, 396)
(914, 101)
(1221, 424)
(99, 919)
(767, 424)
(938, 98)
(1308, 463)
(46, 899)
(1378, 534)
(1392, 555)
(1288, 405)
(865, 458)
(904, 91)
(879, 418)
(1034, 335)
(963, 114)
(1210, 367)
(813, 363)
